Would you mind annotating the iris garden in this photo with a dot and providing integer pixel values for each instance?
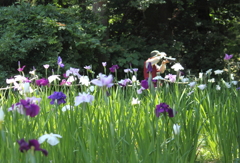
(100, 118)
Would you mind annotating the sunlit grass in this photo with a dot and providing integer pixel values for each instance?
(112, 129)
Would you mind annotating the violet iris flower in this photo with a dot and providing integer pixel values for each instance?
(42, 82)
(163, 108)
(103, 81)
(27, 107)
(144, 84)
(113, 68)
(228, 57)
(154, 82)
(124, 82)
(73, 71)
(59, 96)
(135, 69)
(128, 70)
(31, 109)
(83, 97)
(59, 62)
(65, 75)
(149, 68)
(65, 82)
(88, 67)
(21, 69)
(24, 146)
(171, 77)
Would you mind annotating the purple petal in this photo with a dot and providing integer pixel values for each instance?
(144, 84)
(23, 145)
(33, 110)
(149, 69)
(34, 143)
(170, 112)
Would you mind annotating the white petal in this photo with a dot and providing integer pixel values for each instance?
(176, 129)
(43, 138)
(97, 82)
(91, 88)
(1, 114)
(20, 78)
(56, 135)
(66, 107)
(10, 81)
(71, 79)
(26, 87)
(78, 100)
(53, 77)
(53, 140)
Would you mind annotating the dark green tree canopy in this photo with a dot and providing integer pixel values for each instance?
(196, 32)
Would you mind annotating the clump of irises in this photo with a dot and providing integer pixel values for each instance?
(164, 108)
(114, 68)
(57, 97)
(28, 106)
(42, 82)
(32, 144)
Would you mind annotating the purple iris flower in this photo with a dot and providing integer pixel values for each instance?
(24, 146)
(59, 62)
(31, 109)
(65, 82)
(21, 69)
(149, 68)
(135, 69)
(144, 84)
(181, 73)
(163, 108)
(42, 82)
(88, 67)
(59, 96)
(154, 82)
(113, 68)
(65, 75)
(27, 107)
(227, 57)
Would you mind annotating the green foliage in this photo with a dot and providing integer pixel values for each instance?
(197, 33)
(37, 35)
(114, 128)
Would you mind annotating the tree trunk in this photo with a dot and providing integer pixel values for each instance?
(100, 9)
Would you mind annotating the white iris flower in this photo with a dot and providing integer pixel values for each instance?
(52, 139)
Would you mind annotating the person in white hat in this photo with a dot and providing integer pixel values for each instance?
(156, 56)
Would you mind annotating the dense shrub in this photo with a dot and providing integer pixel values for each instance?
(37, 35)
(198, 33)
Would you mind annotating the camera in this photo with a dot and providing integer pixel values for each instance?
(170, 59)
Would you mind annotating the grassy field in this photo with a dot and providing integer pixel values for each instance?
(97, 121)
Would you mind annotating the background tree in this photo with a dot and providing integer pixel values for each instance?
(197, 32)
